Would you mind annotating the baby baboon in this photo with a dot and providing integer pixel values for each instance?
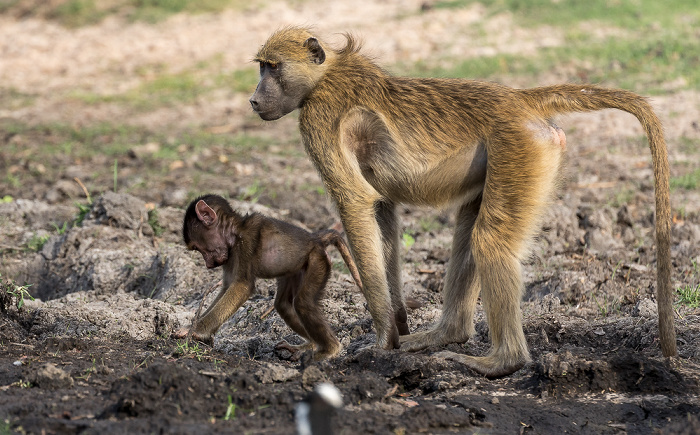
(378, 140)
(255, 246)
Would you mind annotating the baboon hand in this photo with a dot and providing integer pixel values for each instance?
(491, 366)
(183, 332)
(293, 348)
(433, 337)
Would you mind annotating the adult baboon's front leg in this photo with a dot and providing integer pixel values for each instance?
(461, 289)
(364, 235)
(389, 226)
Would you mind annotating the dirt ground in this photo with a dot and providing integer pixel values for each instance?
(93, 354)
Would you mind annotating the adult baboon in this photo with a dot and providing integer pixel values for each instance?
(379, 140)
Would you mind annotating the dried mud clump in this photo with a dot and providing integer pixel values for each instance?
(566, 373)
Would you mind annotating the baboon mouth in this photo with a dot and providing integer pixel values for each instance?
(267, 116)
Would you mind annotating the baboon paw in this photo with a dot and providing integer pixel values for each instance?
(419, 341)
(403, 328)
(489, 366)
(433, 337)
(328, 354)
(185, 332)
(293, 348)
(180, 333)
(446, 354)
(389, 340)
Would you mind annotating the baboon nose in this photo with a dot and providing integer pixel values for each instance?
(254, 104)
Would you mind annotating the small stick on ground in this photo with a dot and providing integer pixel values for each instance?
(199, 310)
(87, 194)
(267, 312)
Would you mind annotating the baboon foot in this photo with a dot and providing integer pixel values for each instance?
(328, 352)
(294, 348)
(433, 337)
(491, 366)
(401, 319)
(184, 332)
(389, 338)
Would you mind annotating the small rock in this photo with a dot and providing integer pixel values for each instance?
(275, 373)
(118, 210)
(50, 377)
(548, 304)
(645, 308)
(63, 189)
(601, 240)
(177, 197)
(312, 376)
(495, 401)
(141, 151)
(623, 216)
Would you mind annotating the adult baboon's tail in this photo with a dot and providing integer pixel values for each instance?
(553, 100)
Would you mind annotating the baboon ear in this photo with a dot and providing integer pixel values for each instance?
(205, 213)
(318, 56)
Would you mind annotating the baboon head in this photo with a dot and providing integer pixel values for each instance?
(203, 230)
(291, 63)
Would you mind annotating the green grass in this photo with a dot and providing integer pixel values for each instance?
(76, 13)
(243, 80)
(631, 14)
(165, 90)
(36, 242)
(154, 223)
(642, 64)
(14, 99)
(689, 296)
(191, 349)
(168, 90)
(116, 140)
(407, 240)
(230, 410)
(656, 44)
(689, 181)
(13, 294)
(6, 427)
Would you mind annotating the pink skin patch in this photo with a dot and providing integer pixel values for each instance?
(558, 137)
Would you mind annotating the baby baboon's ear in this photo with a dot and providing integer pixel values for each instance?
(318, 56)
(205, 213)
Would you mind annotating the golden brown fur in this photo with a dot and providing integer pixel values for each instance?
(255, 246)
(378, 140)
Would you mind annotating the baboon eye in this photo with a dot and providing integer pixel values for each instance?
(268, 65)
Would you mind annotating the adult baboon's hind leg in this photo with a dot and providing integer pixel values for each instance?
(518, 188)
(461, 289)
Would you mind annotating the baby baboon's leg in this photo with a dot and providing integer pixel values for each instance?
(307, 305)
(287, 288)
(389, 226)
(461, 289)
